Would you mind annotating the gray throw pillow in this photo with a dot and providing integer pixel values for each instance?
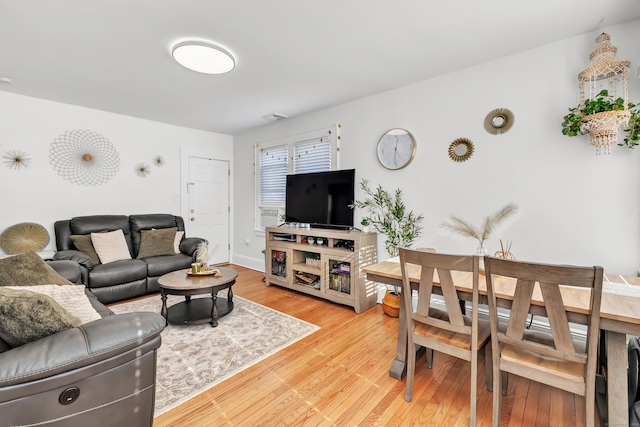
(83, 243)
(28, 269)
(157, 242)
(27, 316)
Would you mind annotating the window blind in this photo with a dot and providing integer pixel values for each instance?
(274, 167)
(313, 155)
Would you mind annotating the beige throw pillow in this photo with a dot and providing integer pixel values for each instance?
(110, 246)
(157, 242)
(83, 243)
(176, 242)
(28, 316)
(28, 269)
(71, 298)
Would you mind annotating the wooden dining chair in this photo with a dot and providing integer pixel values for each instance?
(448, 331)
(544, 289)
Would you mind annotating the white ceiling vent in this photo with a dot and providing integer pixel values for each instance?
(275, 116)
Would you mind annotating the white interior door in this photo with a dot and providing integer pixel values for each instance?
(209, 205)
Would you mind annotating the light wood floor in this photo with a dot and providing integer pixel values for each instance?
(338, 376)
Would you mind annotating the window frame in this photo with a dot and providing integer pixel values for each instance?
(330, 132)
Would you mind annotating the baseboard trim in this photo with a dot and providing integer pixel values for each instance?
(248, 262)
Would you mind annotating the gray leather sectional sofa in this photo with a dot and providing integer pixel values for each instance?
(124, 279)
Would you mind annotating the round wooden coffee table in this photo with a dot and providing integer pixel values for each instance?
(199, 310)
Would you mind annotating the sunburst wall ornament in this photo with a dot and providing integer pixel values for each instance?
(158, 161)
(17, 159)
(499, 121)
(142, 170)
(461, 149)
(84, 157)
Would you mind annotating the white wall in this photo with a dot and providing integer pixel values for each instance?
(576, 207)
(38, 194)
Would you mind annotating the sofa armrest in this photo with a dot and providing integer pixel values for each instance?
(68, 269)
(74, 255)
(79, 347)
(102, 309)
(189, 245)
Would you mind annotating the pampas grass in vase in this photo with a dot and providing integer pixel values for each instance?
(459, 226)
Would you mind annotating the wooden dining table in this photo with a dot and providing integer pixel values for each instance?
(619, 316)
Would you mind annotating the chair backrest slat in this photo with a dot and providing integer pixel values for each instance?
(557, 317)
(425, 288)
(450, 297)
(520, 308)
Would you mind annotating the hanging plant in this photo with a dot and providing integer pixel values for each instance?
(575, 123)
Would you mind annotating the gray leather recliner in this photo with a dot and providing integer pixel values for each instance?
(99, 374)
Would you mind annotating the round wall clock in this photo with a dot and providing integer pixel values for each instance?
(396, 149)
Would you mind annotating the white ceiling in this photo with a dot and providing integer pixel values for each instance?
(292, 56)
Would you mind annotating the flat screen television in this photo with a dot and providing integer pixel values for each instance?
(321, 199)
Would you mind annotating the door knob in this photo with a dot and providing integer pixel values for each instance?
(193, 219)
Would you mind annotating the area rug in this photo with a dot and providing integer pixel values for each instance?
(193, 359)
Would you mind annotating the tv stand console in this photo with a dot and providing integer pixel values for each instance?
(331, 270)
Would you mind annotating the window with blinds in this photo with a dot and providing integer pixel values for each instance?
(314, 151)
(274, 166)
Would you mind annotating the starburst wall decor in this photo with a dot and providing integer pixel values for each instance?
(142, 170)
(84, 157)
(17, 159)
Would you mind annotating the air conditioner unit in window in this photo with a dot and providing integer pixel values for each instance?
(270, 217)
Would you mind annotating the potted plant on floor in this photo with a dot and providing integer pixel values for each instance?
(388, 215)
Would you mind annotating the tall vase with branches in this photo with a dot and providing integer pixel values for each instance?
(388, 215)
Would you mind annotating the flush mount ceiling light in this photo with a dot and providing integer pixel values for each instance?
(203, 57)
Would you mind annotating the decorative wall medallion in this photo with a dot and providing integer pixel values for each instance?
(460, 150)
(24, 237)
(17, 159)
(84, 157)
(142, 170)
(158, 161)
(499, 121)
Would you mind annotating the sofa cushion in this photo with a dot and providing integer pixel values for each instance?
(159, 265)
(71, 298)
(110, 246)
(83, 243)
(117, 272)
(28, 269)
(177, 240)
(27, 316)
(141, 222)
(157, 242)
